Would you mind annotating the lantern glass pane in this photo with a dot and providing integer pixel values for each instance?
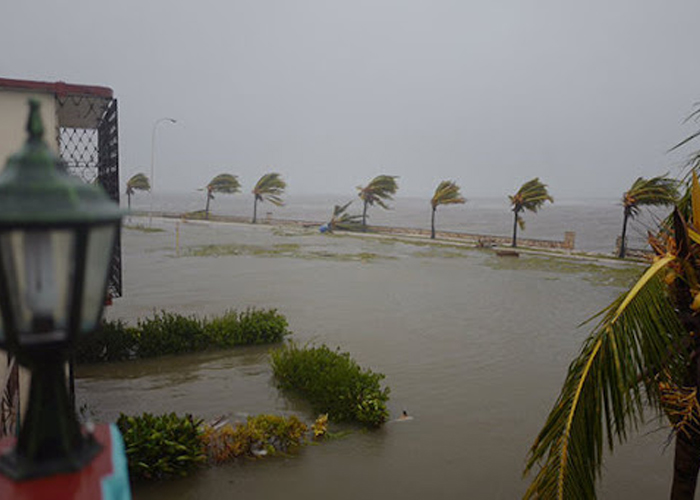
(39, 269)
(99, 257)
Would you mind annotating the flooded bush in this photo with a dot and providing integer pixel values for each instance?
(332, 382)
(159, 446)
(258, 436)
(115, 341)
(172, 333)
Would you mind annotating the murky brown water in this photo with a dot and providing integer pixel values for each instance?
(475, 348)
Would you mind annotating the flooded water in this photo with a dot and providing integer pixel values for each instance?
(597, 222)
(474, 347)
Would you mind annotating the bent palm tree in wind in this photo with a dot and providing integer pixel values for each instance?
(380, 190)
(343, 220)
(657, 191)
(531, 196)
(222, 183)
(643, 353)
(137, 182)
(270, 188)
(447, 193)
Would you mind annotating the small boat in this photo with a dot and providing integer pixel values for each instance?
(507, 253)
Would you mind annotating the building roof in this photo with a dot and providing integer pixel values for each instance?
(58, 88)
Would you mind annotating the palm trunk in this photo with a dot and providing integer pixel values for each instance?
(515, 229)
(255, 210)
(432, 224)
(623, 248)
(364, 217)
(128, 200)
(686, 463)
(206, 210)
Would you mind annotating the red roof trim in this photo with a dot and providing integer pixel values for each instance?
(58, 88)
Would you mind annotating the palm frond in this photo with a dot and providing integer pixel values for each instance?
(224, 183)
(656, 191)
(447, 193)
(602, 396)
(379, 190)
(270, 187)
(138, 182)
(531, 196)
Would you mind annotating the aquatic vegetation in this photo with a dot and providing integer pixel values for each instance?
(320, 426)
(171, 333)
(292, 250)
(332, 382)
(159, 446)
(262, 435)
(441, 253)
(596, 273)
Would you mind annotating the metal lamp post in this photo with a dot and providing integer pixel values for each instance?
(153, 158)
(56, 240)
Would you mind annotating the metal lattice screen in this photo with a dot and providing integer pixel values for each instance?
(88, 141)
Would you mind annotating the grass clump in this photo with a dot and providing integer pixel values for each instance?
(172, 333)
(332, 382)
(159, 446)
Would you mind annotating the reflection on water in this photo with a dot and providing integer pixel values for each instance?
(474, 349)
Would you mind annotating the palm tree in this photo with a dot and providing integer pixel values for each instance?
(270, 188)
(447, 193)
(531, 196)
(642, 353)
(656, 191)
(138, 182)
(379, 190)
(222, 183)
(343, 220)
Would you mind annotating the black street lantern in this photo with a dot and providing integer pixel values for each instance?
(56, 240)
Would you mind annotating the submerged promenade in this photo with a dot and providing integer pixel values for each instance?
(483, 240)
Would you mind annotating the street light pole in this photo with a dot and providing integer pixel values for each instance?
(153, 157)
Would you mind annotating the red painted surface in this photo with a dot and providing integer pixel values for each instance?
(58, 88)
(82, 485)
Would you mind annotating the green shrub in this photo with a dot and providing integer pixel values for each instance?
(332, 382)
(114, 341)
(261, 327)
(171, 333)
(159, 446)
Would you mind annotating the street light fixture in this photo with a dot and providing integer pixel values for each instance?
(153, 158)
(56, 241)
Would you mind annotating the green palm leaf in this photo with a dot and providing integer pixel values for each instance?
(224, 183)
(603, 394)
(270, 188)
(379, 191)
(138, 182)
(343, 220)
(447, 193)
(531, 196)
(657, 191)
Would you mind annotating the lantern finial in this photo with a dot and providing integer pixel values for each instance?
(35, 126)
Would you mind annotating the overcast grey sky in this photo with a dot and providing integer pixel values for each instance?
(587, 95)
